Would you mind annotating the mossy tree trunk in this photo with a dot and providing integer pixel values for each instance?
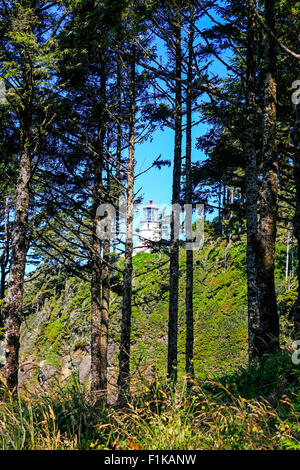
(14, 296)
(296, 140)
(189, 347)
(105, 295)
(4, 258)
(251, 189)
(174, 243)
(124, 355)
(96, 277)
(267, 335)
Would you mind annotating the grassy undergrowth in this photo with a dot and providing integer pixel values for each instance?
(257, 408)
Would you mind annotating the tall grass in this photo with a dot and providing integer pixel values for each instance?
(256, 409)
(205, 420)
(59, 418)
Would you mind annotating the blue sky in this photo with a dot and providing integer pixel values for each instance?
(157, 184)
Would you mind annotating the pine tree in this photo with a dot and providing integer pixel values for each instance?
(27, 61)
(267, 337)
(189, 200)
(251, 184)
(176, 187)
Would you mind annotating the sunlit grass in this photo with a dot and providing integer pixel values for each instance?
(257, 409)
(202, 420)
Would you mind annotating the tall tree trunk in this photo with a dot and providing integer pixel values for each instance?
(96, 276)
(223, 204)
(231, 201)
(104, 323)
(287, 258)
(251, 191)
(189, 347)
(124, 356)
(296, 139)
(14, 296)
(104, 318)
(268, 331)
(96, 299)
(174, 245)
(292, 253)
(118, 191)
(220, 203)
(4, 259)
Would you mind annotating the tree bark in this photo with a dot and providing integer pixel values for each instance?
(287, 258)
(14, 296)
(124, 355)
(104, 318)
(267, 337)
(251, 191)
(119, 149)
(296, 140)
(96, 302)
(4, 259)
(96, 276)
(189, 347)
(174, 245)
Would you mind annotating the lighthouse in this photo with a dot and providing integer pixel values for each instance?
(149, 227)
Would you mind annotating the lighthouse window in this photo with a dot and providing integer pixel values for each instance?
(150, 214)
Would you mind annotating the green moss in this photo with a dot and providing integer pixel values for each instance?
(220, 308)
(54, 329)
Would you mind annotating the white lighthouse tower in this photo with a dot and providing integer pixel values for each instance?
(149, 228)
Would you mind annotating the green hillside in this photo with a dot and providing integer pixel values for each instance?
(57, 309)
(229, 405)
